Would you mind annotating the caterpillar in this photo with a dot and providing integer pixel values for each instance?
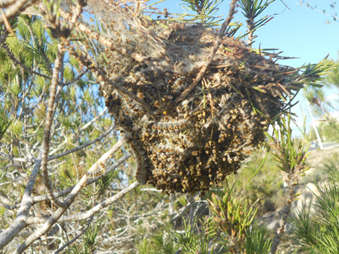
(179, 84)
(141, 158)
(98, 172)
(167, 148)
(131, 108)
(170, 126)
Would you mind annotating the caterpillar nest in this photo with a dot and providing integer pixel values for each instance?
(195, 143)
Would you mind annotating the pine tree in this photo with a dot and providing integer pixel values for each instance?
(66, 163)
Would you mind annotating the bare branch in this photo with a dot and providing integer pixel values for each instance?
(14, 8)
(64, 192)
(285, 4)
(110, 153)
(87, 60)
(103, 204)
(76, 13)
(82, 146)
(26, 204)
(95, 209)
(93, 120)
(70, 199)
(75, 79)
(333, 16)
(12, 158)
(109, 44)
(6, 3)
(88, 182)
(89, 213)
(7, 206)
(48, 125)
(75, 238)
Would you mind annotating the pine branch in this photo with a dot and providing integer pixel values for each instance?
(14, 8)
(75, 238)
(82, 146)
(69, 200)
(90, 212)
(26, 203)
(48, 125)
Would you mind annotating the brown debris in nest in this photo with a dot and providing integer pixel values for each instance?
(189, 145)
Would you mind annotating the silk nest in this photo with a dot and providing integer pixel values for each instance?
(191, 144)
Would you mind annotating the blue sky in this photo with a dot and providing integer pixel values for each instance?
(297, 31)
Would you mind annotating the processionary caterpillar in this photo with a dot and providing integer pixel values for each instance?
(98, 172)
